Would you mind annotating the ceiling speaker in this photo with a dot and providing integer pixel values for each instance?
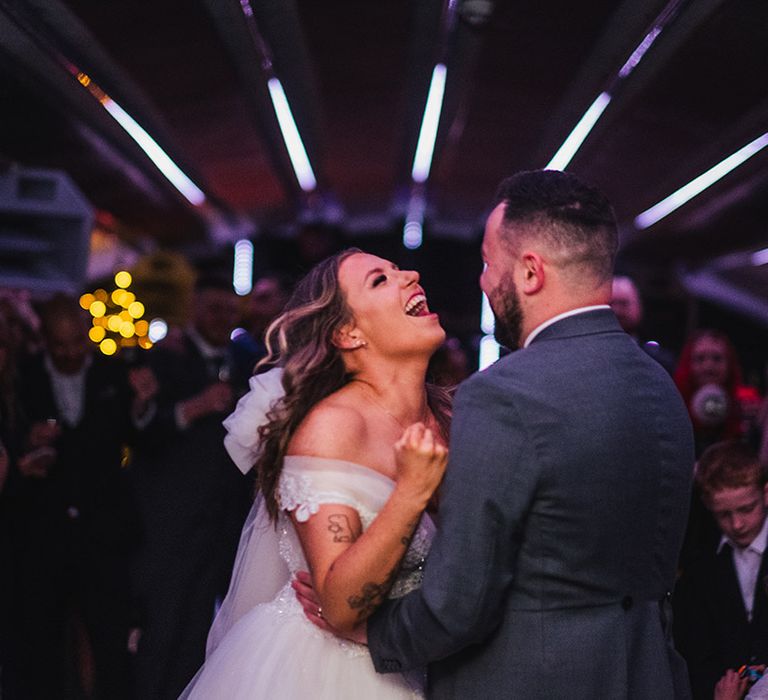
(45, 228)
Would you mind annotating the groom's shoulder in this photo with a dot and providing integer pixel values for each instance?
(496, 378)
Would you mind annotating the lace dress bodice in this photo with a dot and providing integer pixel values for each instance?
(306, 483)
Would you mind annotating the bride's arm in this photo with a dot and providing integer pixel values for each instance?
(352, 570)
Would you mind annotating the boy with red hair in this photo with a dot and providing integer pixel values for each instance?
(721, 603)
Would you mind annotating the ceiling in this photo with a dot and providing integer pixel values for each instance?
(520, 75)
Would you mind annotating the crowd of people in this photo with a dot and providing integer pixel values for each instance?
(121, 510)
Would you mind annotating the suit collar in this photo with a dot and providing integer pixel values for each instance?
(583, 321)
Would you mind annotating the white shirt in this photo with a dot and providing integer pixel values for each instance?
(747, 561)
(68, 391)
(559, 317)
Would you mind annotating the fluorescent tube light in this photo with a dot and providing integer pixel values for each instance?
(413, 235)
(639, 52)
(760, 257)
(489, 351)
(696, 186)
(422, 161)
(157, 155)
(242, 269)
(296, 151)
(580, 132)
(487, 319)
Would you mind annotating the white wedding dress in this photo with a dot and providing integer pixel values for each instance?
(261, 645)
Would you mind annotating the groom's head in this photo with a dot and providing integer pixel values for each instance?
(549, 246)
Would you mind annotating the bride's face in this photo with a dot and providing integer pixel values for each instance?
(388, 306)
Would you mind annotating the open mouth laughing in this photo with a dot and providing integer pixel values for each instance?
(417, 305)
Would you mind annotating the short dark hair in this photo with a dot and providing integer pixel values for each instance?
(729, 464)
(567, 214)
(61, 307)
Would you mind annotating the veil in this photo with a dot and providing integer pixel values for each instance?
(259, 571)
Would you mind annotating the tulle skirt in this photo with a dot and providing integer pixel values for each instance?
(274, 652)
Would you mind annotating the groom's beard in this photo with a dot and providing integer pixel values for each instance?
(508, 312)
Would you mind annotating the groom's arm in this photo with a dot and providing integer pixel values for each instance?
(487, 491)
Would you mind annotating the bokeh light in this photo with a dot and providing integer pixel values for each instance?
(117, 318)
(96, 334)
(123, 279)
(136, 310)
(108, 346)
(158, 329)
(97, 309)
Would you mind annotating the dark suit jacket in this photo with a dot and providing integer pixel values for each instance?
(561, 518)
(188, 484)
(87, 478)
(193, 502)
(711, 626)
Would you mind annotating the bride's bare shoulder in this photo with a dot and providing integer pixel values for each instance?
(334, 428)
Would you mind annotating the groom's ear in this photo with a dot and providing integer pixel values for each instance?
(533, 273)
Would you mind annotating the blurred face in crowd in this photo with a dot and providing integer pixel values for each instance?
(709, 361)
(625, 302)
(739, 512)
(216, 315)
(67, 343)
(498, 283)
(266, 302)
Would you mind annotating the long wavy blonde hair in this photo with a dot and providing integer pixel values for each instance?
(301, 341)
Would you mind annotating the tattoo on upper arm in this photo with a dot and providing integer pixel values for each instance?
(340, 527)
(371, 596)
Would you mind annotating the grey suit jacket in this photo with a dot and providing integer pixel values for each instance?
(561, 518)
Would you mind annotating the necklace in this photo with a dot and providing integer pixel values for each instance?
(423, 419)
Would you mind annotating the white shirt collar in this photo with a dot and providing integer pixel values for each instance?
(757, 545)
(60, 376)
(207, 350)
(560, 317)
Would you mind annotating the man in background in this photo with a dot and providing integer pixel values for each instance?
(628, 307)
(193, 499)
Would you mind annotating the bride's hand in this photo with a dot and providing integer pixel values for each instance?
(421, 460)
(310, 603)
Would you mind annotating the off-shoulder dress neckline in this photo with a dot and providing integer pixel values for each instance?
(366, 471)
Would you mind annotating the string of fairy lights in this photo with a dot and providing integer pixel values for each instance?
(117, 317)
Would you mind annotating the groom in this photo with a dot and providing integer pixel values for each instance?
(566, 494)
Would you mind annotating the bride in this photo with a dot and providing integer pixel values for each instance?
(335, 497)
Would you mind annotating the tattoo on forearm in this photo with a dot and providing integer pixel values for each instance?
(371, 596)
(405, 540)
(340, 528)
